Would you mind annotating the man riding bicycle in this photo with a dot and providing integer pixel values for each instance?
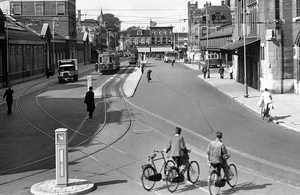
(267, 99)
(179, 152)
(217, 154)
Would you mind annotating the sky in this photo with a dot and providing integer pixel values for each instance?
(140, 12)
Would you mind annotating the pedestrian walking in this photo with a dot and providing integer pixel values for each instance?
(173, 61)
(149, 71)
(90, 101)
(204, 70)
(47, 73)
(143, 68)
(9, 99)
(230, 70)
(221, 71)
(96, 67)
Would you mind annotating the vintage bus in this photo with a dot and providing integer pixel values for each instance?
(108, 62)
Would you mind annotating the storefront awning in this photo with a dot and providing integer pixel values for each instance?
(161, 49)
(238, 44)
(143, 49)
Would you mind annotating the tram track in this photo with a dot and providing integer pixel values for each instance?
(114, 84)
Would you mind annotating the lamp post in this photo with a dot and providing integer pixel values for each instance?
(207, 17)
(245, 57)
(53, 26)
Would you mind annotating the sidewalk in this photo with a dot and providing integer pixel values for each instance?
(286, 106)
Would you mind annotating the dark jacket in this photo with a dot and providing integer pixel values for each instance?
(90, 101)
(8, 94)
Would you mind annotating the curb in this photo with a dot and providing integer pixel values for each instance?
(235, 98)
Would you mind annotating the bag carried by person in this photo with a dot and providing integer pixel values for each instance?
(260, 103)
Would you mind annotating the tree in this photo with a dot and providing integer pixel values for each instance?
(112, 23)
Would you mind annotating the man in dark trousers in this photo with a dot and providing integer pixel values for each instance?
(9, 99)
(90, 102)
(178, 151)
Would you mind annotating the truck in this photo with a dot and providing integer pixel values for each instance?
(67, 70)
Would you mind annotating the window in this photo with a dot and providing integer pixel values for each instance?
(139, 32)
(17, 9)
(39, 9)
(61, 8)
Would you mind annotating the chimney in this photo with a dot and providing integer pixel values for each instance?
(222, 3)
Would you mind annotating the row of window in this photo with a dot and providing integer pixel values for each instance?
(39, 8)
(161, 32)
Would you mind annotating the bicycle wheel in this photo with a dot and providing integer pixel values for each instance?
(193, 172)
(234, 178)
(167, 166)
(147, 184)
(172, 184)
(213, 178)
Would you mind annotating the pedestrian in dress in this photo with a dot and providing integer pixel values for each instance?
(221, 71)
(90, 101)
(204, 70)
(9, 99)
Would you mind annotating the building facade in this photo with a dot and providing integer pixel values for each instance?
(60, 15)
(268, 32)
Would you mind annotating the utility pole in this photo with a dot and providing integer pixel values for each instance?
(245, 57)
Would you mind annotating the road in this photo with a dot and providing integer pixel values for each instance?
(263, 152)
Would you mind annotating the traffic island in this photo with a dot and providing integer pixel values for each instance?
(75, 186)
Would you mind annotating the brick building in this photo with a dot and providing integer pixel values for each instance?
(60, 15)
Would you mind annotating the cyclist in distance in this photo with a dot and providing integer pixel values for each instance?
(178, 151)
(217, 154)
(267, 99)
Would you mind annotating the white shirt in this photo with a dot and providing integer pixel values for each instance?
(266, 97)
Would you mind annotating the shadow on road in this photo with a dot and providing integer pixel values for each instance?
(245, 187)
(112, 182)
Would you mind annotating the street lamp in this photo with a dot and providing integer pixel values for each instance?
(53, 25)
(245, 59)
(207, 17)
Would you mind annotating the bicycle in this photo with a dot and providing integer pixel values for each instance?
(216, 180)
(173, 177)
(266, 113)
(149, 172)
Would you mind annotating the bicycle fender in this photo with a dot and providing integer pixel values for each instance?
(146, 165)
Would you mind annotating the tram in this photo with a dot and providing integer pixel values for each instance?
(108, 62)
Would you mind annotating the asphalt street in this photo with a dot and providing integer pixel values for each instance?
(175, 97)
